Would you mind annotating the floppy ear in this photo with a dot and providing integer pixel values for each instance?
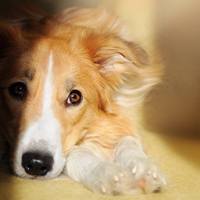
(10, 40)
(125, 68)
(12, 45)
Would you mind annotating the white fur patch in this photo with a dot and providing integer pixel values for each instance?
(131, 173)
(44, 135)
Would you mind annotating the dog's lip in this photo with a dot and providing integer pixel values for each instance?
(46, 177)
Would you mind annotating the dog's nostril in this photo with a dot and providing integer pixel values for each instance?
(29, 167)
(37, 164)
(43, 169)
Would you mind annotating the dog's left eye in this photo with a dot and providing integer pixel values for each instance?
(18, 90)
(74, 98)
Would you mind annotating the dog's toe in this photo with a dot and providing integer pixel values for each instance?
(148, 176)
(111, 179)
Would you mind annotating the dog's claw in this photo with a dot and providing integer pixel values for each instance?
(155, 176)
(164, 182)
(134, 169)
(149, 173)
(103, 189)
(116, 178)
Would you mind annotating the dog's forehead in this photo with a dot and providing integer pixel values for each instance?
(65, 54)
(70, 62)
(71, 68)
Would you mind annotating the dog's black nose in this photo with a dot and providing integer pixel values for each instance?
(37, 164)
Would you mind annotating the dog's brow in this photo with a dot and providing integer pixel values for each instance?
(30, 74)
(70, 85)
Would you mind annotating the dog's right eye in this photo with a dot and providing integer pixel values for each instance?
(18, 90)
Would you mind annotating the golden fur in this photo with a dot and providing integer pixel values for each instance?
(93, 52)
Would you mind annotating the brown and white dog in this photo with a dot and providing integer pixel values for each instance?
(66, 82)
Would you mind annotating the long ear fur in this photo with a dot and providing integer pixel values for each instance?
(97, 19)
(124, 66)
(10, 40)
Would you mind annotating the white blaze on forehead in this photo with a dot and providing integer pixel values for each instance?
(48, 87)
(46, 131)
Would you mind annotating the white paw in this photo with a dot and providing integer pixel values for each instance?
(109, 178)
(147, 175)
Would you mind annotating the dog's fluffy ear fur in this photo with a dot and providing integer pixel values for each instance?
(11, 40)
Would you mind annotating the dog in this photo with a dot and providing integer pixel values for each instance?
(67, 82)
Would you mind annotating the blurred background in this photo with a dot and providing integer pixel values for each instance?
(172, 28)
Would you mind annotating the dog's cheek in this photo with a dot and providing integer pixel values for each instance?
(75, 124)
(9, 119)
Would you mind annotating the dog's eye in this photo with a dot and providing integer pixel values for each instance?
(18, 90)
(74, 98)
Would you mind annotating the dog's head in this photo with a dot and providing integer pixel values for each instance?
(58, 79)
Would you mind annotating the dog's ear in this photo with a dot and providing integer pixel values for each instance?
(125, 69)
(11, 40)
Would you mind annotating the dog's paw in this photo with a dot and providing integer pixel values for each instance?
(138, 177)
(109, 178)
(147, 175)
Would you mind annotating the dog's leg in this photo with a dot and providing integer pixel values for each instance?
(131, 157)
(98, 175)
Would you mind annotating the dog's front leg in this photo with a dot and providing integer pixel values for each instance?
(130, 156)
(98, 175)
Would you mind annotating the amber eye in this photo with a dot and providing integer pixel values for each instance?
(18, 90)
(74, 98)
